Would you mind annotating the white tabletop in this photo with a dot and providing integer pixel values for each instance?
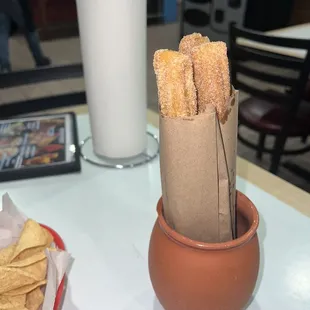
(106, 216)
(298, 32)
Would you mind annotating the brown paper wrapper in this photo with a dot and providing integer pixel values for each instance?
(229, 133)
(198, 169)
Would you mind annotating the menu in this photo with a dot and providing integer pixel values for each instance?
(37, 142)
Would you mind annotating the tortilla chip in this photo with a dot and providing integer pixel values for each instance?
(12, 302)
(18, 308)
(53, 249)
(12, 278)
(33, 239)
(34, 299)
(25, 289)
(6, 254)
(37, 270)
(50, 238)
(28, 261)
(29, 252)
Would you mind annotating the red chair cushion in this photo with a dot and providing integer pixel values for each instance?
(268, 117)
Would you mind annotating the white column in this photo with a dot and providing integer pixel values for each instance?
(113, 44)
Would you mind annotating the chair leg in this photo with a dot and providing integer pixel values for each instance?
(277, 153)
(261, 146)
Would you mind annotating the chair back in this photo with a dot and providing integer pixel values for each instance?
(241, 54)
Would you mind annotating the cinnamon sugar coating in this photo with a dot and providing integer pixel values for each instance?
(176, 89)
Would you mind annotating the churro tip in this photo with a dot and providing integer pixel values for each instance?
(188, 42)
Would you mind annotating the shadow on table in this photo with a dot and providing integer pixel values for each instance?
(68, 304)
(253, 305)
(67, 299)
(157, 305)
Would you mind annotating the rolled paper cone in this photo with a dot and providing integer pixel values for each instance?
(113, 45)
(198, 188)
(229, 130)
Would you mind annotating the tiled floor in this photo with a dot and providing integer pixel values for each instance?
(67, 51)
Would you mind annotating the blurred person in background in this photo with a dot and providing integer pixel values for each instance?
(16, 14)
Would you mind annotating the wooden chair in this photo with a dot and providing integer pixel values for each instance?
(282, 115)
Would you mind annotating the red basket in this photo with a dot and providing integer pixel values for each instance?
(61, 246)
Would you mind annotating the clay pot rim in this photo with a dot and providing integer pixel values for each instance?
(248, 210)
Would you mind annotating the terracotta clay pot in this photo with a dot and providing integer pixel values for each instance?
(192, 275)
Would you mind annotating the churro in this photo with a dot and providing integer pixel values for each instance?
(176, 88)
(211, 76)
(190, 41)
(220, 49)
